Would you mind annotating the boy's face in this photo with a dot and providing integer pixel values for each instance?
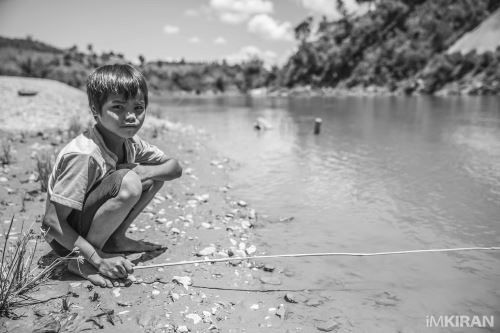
(123, 117)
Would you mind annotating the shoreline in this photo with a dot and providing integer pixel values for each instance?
(195, 217)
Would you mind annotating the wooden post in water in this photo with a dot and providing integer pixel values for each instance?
(317, 125)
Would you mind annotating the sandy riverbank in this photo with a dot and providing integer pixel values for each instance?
(195, 213)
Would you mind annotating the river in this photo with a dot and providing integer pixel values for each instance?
(384, 174)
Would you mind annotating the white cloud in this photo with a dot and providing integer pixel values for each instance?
(267, 27)
(220, 40)
(250, 52)
(233, 18)
(170, 29)
(238, 11)
(194, 40)
(329, 7)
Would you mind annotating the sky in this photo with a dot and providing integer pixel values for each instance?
(196, 30)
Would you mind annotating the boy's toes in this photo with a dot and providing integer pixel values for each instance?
(109, 284)
(126, 282)
(99, 282)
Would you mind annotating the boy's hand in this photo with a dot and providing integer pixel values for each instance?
(115, 267)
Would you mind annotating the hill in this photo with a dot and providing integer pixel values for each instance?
(400, 46)
(32, 58)
(486, 37)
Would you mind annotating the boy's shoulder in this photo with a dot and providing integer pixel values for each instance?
(83, 144)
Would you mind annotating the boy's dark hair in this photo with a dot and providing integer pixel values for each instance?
(119, 79)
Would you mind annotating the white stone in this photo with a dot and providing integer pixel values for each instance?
(116, 292)
(206, 251)
(185, 281)
(196, 318)
(182, 329)
(251, 249)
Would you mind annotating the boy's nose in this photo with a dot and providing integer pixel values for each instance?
(130, 117)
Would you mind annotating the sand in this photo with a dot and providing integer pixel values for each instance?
(192, 216)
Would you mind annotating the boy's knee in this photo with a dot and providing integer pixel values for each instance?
(131, 187)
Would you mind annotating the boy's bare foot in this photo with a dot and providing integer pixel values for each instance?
(124, 244)
(87, 271)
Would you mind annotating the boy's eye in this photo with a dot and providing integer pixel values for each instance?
(117, 107)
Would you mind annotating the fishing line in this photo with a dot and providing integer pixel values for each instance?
(321, 254)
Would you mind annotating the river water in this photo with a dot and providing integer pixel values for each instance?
(385, 174)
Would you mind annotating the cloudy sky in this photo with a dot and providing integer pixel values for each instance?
(197, 30)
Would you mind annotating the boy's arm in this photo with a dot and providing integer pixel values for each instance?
(56, 219)
(168, 169)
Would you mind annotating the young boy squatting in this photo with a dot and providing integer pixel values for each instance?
(104, 178)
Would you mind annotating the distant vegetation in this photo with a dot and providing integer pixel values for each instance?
(397, 46)
(400, 45)
(27, 57)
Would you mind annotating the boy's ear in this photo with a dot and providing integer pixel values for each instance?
(93, 110)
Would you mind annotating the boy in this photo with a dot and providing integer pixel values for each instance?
(104, 178)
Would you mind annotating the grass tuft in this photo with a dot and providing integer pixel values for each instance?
(6, 152)
(44, 165)
(17, 276)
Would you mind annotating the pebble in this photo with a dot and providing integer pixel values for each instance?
(206, 251)
(251, 249)
(246, 224)
(196, 318)
(116, 292)
(281, 312)
(254, 307)
(161, 220)
(124, 304)
(175, 231)
(155, 292)
(206, 225)
(295, 298)
(328, 326)
(203, 197)
(182, 329)
(235, 262)
(314, 302)
(268, 268)
(274, 280)
(242, 203)
(3, 179)
(185, 281)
